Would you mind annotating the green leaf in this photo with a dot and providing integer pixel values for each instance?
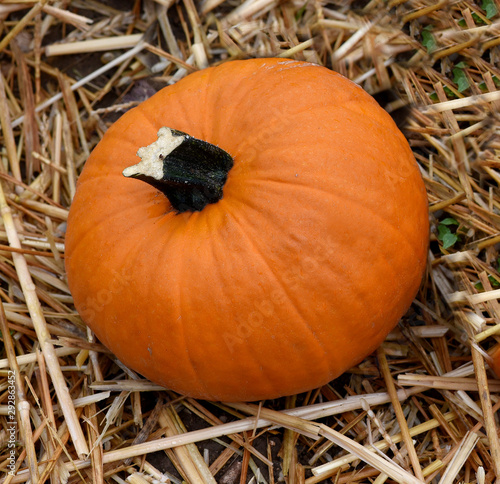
(477, 19)
(449, 92)
(445, 234)
(490, 8)
(493, 281)
(462, 65)
(300, 13)
(428, 40)
(443, 231)
(449, 221)
(449, 240)
(462, 22)
(460, 78)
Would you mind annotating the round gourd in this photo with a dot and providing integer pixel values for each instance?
(271, 250)
(496, 361)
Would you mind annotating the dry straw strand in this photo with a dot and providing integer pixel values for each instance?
(68, 69)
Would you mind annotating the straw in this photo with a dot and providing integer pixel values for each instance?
(424, 409)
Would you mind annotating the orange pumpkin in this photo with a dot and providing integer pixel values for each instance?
(294, 240)
(496, 361)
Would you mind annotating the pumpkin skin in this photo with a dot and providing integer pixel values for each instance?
(311, 257)
(496, 361)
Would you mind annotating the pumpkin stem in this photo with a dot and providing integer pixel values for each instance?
(190, 172)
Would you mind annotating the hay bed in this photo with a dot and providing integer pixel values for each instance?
(427, 399)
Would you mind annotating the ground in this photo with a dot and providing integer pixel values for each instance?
(439, 62)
